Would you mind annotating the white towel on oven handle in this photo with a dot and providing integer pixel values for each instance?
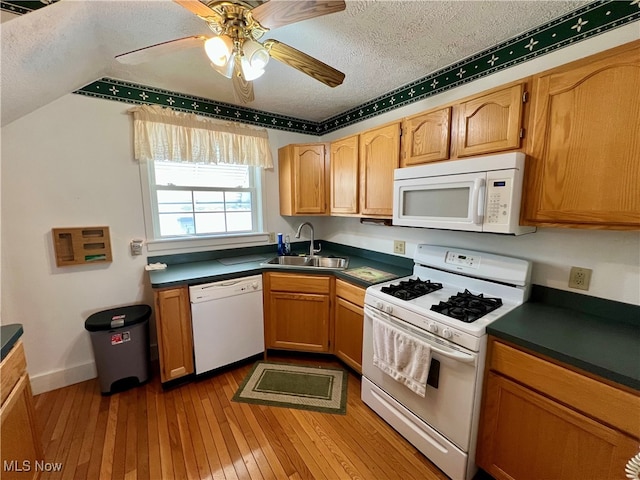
(402, 357)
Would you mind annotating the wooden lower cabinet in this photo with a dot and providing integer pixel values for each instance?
(533, 434)
(349, 318)
(19, 435)
(298, 311)
(175, 335)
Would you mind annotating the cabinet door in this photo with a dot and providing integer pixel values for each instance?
(585, 144)
(348, 333)
(344, 176)
(299, 321)
(526, 436)
(491, 122)
(175, 337)
(303, 176)
(379, 156)
(426, 137)
(20, 438)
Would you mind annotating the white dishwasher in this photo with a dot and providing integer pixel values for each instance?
(227, 322)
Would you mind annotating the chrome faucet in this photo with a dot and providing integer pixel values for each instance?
(312, 251)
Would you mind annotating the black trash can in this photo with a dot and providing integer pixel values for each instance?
(120, 339)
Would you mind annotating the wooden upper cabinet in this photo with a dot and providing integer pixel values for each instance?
(491, 122)
(379, 157)
(584, 160)
(344, 176)
(426, 137)
(303, 179)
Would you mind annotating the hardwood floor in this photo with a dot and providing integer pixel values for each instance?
(195, 431)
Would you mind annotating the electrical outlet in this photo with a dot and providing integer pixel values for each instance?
(398, 246)
(579, 278)
(272, 237)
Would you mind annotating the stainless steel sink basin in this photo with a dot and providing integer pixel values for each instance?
(307, 261)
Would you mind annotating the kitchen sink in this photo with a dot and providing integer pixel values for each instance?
(307, 261)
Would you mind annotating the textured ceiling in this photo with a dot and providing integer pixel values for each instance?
(379, 45)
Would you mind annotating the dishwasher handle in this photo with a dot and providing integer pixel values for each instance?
(222, 284)
(225, 288)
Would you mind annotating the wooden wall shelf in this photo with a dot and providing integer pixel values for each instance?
(81, 245)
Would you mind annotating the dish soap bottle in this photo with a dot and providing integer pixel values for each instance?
(280, 244)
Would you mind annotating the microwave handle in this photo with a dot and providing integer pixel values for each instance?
(477, 204)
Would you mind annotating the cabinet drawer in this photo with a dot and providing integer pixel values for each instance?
(287, 282)
(350, 292)
(11, 369)
(611, 405)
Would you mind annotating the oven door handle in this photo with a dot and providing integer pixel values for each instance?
(453, 355)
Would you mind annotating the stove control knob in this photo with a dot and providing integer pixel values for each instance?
(446, 333)
(433, 328)
(379, 305)
(388, 309)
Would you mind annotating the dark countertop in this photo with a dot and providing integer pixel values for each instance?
(598, 336)
(9, 335)
(204, 269)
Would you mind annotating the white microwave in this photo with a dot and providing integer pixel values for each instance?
(481, 194)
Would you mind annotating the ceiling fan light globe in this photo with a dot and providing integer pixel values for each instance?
(219, 49)
(249, 72)
(255, 54)
(226, 70)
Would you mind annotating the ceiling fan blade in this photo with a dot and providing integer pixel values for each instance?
(145, 54)
(277, 13)
(242, 89)
(305, 63)
(200, 9)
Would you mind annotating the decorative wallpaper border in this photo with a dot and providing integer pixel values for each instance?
(21, 7)
(133, 93)
(591, 20)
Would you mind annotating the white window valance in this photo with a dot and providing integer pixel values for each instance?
(164, 134)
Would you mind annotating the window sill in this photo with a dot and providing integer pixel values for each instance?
(194, 244)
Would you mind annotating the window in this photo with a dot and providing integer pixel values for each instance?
(201, 200)
(201, 180)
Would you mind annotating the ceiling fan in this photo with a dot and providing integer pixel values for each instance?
(235, 51)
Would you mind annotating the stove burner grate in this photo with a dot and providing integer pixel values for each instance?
(411, 288)
(467, 307)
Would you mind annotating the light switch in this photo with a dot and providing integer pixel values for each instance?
(136, 247)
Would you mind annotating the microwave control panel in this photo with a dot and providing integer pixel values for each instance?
(499, 199)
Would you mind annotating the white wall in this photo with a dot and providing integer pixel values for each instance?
(71, 164)
(613, 256)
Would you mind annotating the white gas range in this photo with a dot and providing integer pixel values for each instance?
(441, 312)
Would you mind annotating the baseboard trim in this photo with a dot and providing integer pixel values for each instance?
(62, 378)
(53, 380)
